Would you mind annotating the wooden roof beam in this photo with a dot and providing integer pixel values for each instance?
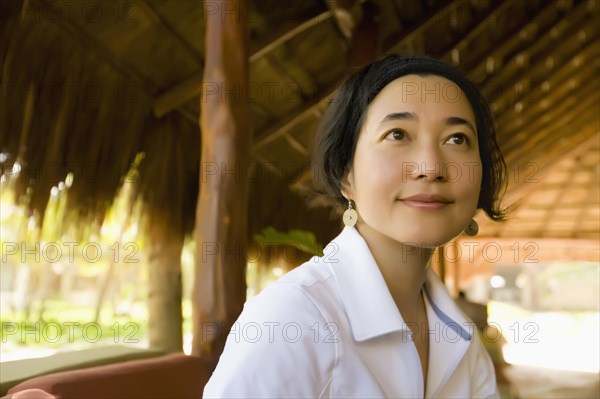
(551, 210)
(557, 124)
(288, 123)
(516, 117)
(268, 164)
(439, 13)
(520, 192)
(523, 177)
(511, 38)
(192, 87)
(296, 74)
(499, 50)
(579, 128)
(295, 144)
(537, 119)
(347, 15)
(154, 16)
(457, 44)
(278, 129)
(545, 45)
(418, 28)
(573, 51)
(480, 24)
(158, 20)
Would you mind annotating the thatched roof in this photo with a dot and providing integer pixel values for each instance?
(87, 87)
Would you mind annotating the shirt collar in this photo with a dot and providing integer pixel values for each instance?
(367, 299)
(370, 307)
(444, 306)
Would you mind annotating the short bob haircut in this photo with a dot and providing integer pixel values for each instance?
(339, 129)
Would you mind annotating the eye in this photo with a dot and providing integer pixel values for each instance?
(397, 134)
(459, 138)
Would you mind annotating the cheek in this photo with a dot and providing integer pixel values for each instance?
(381, 177)
(472, 184)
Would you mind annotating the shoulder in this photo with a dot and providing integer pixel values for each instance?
(483, 375)
(298, 296)
(271, 350)
(309, 273)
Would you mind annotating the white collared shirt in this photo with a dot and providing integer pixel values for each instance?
(331, 329)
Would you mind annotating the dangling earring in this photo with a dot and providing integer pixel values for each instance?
(472, 229)
(350, 215)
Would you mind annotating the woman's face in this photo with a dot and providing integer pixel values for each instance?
(418, 140)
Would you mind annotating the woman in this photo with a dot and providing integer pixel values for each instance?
(408, 145)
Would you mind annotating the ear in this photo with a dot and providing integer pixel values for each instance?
(347, 183)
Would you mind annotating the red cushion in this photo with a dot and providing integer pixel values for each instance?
(175, 376)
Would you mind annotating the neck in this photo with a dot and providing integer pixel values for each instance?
(403, 267)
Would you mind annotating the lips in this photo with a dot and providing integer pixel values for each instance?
(429, 198)
(426, 201)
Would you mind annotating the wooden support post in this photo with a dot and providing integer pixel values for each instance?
(165, 318)
(221, 214)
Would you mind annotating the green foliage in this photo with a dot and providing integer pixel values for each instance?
(301, 239)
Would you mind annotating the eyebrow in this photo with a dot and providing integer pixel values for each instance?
(410, 116)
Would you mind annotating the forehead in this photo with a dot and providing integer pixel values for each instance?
(430, 95)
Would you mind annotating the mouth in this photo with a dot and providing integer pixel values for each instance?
(424, 204)
(426, 201)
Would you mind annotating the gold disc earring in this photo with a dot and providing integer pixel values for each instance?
(350, 215)
(472, 229)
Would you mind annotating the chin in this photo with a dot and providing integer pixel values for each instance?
(426, 239)
(422, 237)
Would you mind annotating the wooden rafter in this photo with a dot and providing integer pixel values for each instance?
(192, 87)
(511, 38)
(557, 78)
(568, 50)
(578, 144)
(569, 110)
(479, 25)
(541, 49)
(165, 26)
(308, 109)
(283, 126)
(516, 126)
(347, 15)
(409, 35)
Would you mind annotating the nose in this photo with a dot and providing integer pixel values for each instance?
(428, 165)
(431, 176)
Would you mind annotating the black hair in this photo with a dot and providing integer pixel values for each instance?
(340, 126)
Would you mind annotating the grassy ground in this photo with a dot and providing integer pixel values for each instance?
(69, 326)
